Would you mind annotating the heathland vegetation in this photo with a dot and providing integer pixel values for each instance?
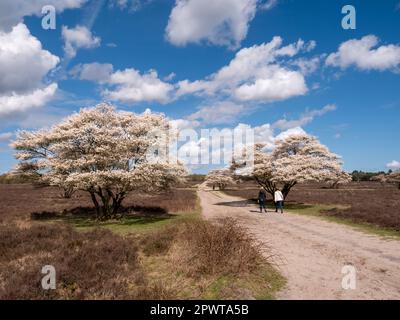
(95, 197)
(159, 249)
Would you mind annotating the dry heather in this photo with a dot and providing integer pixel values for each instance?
(184, 259)
(102, 265)
(93, 265)
(224, 248)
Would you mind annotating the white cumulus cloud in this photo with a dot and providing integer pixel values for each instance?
(129, 86)
(23, 61)
(290, 132)
(255, 73)
(394, 165)
(219, 22)
(76, 38)
(366, 55)
(10, 104)
(218, 113)
(24, 65)
(183, 124)
(276, 84)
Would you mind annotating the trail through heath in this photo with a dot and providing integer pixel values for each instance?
(311, 252)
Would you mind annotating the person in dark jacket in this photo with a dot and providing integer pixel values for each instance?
(262, 199)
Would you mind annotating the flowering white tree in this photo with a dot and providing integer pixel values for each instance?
(393, 177)
(101, 151)
(297, 158)
(220, 177)
(382, 178)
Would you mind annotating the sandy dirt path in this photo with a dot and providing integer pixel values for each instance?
(311, 252)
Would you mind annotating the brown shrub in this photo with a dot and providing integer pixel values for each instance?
(202, 248)
(223, 248)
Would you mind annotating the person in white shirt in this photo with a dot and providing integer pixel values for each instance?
(278, 198)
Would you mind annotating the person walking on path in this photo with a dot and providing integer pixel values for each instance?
(262, 200)
(278, 198)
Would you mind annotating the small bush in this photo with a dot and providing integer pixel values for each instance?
(43, 215)
(205, 248)
(223, 248)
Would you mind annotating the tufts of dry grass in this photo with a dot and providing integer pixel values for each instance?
(160, 241)
(203, 248)
(217, 249)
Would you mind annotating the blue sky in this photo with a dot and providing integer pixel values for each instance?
(173, 57)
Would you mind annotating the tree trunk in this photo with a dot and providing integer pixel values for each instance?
(96, 204)
(109, 204)
(286, 188)
(335, 185)
(67, 192)
(105, 210)
(117, 202)
(269, 186)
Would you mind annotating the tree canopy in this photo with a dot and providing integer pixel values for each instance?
(101, 151)
(220, 177)
(297, 158)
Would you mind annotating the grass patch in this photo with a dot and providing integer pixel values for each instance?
(262, 284)
(141, 223)
(131, 224)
